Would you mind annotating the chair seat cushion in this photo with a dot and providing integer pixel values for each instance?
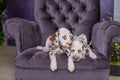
(33, 58)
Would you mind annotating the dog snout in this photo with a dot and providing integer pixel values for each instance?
(70, 44)
(76, 58)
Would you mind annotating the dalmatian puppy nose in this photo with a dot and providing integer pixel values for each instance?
(70, 44)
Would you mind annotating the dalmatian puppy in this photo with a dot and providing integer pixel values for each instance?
(59, 42)
(79, 50)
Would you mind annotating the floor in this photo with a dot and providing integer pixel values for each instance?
(7, 55)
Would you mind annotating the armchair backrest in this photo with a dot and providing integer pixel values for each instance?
(76, 15)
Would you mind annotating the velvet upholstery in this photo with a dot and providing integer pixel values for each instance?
(33, 58)
(102, 36)
(76, 15)
(79, 16)
(62, 74)
(26, 30)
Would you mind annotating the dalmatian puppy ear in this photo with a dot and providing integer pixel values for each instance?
(83, 38)
(58, 32)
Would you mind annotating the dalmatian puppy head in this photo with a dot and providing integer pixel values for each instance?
(77, 51)
(78, 47)
(65, 37)
(83, 38)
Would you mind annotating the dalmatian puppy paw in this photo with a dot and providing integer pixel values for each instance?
(71, 67)
(53, 67)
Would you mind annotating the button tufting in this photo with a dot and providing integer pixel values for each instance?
(80, 18)
(70, 8)
(43, 9)
(60, 8)
(84, 7)
(66, 18)
(78, 1)
(53, 17)
(77, 19)
(74, 8)
(47, 8)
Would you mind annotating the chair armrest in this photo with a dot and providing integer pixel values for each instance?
(26, 33)
(102, 35)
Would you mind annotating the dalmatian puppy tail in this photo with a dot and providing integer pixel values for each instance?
(42, 48)
(46, 48)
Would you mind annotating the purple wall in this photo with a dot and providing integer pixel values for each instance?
(20, 9)
(106, 9)
(24, 9)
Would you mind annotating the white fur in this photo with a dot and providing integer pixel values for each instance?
(65, 43)
(71, 66)
(64, 31)
(77, 45)
(78, 42)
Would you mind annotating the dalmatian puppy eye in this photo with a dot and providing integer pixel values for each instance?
(82, 47)
(72, 50)
(71, 36)
(79, 51)
(64, 37)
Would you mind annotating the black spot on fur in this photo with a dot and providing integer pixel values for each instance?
(82, 47)
(64, 37)
(73, 50)
(87, 51)
(79, 51)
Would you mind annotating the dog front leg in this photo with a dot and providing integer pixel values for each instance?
(71, 66)
(53, 63)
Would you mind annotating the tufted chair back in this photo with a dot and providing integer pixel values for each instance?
(79, 16)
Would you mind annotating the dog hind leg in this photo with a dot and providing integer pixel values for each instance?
(91, 54)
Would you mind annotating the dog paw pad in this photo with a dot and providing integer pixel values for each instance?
(53, 67)
(71, 68)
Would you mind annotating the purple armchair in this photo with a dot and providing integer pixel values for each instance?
(79, 16)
